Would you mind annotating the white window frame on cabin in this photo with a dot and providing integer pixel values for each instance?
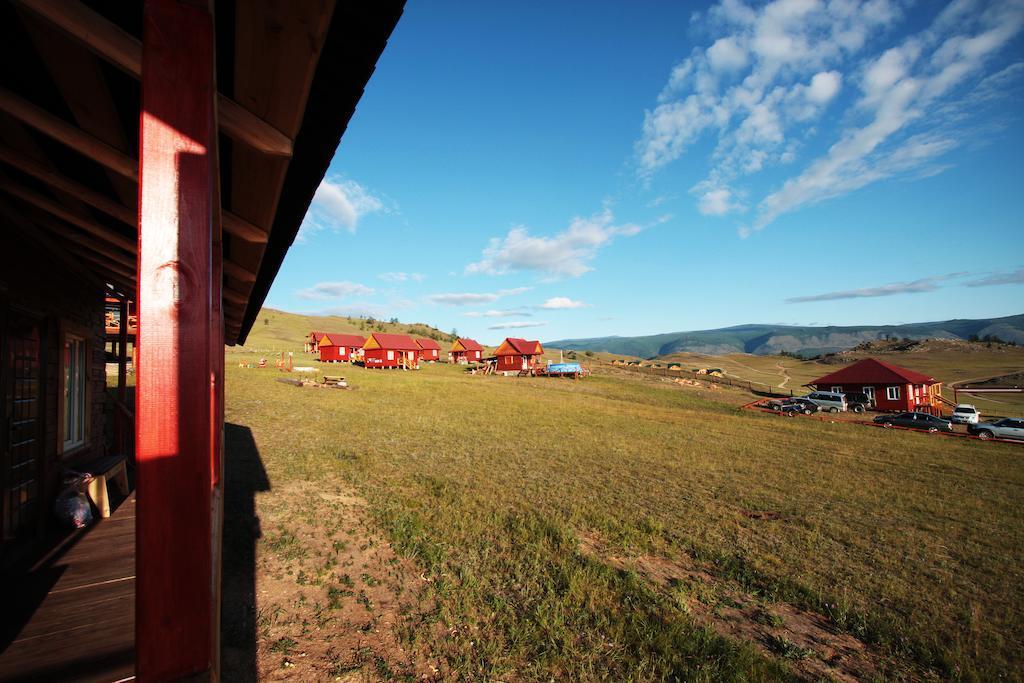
(892, 393)
(837, 390)
(74, 385)
(391, 355)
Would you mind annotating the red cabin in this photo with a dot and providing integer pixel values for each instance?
(517, 355)
(888, 386)
(390, 351)
(339, 347)
(312, 344)
(429, 349)
(465, 351)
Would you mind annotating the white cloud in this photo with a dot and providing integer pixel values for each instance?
(516, 325)
(333, 290)
(338, 204)
(926, 284)
(564, 254)
(511, 313)
(899, 89)
(402, 277)
(769, 74)
(562, 302)
(1015, 277)
(717, 201)
(473, 298)
(824, 86)
(726, 54)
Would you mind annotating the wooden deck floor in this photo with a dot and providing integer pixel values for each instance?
(74, 617)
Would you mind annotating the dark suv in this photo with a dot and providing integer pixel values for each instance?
(857, 402)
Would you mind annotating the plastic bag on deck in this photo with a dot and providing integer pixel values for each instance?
(72, 506)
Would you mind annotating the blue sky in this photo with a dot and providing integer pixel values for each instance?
(578, 169)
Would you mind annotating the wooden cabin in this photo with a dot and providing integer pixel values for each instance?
(390, 351)
(888, 387)
(163, 152)
(430, 350)
(465, 351)
(312, 343)
(335, 348)
(517, 355)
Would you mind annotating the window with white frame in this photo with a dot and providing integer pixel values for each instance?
(892, 393)
(391, 355)
(75, 413)
(837, 390)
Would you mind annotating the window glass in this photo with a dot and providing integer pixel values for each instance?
(74, 392)
(892, 393)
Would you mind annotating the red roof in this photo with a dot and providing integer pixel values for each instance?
(428, 344)
(873, 371)
(470, 344)
(344, 339)
(399, 342)
(316, 334)
(521, 346)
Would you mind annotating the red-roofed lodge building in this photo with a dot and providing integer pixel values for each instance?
(517, 355)
(335, 347)
(390, 351)
(889, 387)
(430, 350)
(465, 351)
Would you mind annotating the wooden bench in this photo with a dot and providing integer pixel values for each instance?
(109, 468)
(334, 381)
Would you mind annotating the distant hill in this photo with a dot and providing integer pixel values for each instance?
(806, 341)
(281, 331)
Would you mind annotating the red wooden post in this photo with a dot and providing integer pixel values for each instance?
(176, 388)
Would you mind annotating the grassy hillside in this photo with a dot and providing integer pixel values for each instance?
(618, 528)
(808, 341)
(281, 331)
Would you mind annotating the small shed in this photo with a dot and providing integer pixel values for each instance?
(516, 355)
(335, 347)
(390, 351)
(465, 351)
(888, 387)
(430, 350)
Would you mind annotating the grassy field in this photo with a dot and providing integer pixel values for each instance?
(622, 528)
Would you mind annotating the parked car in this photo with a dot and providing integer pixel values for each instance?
(1007, 428)
(794, 405)
(857, 401)
(827, 400)
(915, 421)
(966, 414)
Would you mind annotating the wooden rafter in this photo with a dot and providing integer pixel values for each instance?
(233, 225)
(71, 234)
(125, 51)
(55, 180)
(52, 207)
(62, 131)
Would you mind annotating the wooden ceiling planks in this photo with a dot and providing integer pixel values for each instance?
(277, 47)
(76, 73)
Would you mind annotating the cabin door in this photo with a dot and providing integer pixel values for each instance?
(870, 393)
(21, 422)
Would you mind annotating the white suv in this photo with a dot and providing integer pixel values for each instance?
(965, 414)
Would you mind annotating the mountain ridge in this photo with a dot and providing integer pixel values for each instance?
(806, 340)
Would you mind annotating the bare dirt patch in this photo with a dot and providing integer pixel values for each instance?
(333, 599)
(806, 640)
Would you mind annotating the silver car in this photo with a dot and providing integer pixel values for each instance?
(1007, 428)
(827, 401)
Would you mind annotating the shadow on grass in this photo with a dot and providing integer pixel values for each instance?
(244, 477)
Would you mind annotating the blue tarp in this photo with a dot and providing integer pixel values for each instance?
(564, 368)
